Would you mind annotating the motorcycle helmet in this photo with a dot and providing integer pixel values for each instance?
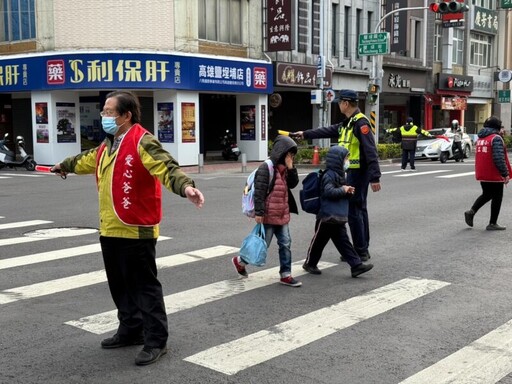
(455, 124)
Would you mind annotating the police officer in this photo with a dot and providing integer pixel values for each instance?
(409, 137)
(356, 134)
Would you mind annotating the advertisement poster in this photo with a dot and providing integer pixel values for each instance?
(41, 113)
(247, 122)
(66, 122)
(165, 122)
(42, 134)
(188, 122)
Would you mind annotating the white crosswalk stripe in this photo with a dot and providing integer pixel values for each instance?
(415, 174)
(107, 321)
(20, 224)
(456, 175)
(240, 354)
(486, 360)
(95, 277)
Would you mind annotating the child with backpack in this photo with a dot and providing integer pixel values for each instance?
(333, 215)
(273, 204)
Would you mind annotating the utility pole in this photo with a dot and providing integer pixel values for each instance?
(377, 72)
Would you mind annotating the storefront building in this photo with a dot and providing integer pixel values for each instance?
(63, 93)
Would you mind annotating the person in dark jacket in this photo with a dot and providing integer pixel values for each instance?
(273, 204)
(333, 215)
(492, 169)
(408, 135)
(357, 135)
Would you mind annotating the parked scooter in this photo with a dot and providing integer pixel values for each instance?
(12, 159)
(230, 148)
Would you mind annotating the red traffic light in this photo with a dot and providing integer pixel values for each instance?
(444, 7)
(434, 7)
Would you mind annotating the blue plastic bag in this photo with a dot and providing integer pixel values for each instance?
(254, 247)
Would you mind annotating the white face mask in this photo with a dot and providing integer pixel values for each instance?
(346, 164)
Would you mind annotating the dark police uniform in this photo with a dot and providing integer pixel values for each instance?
(355, 133)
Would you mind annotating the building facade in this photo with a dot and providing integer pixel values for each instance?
(195, 65)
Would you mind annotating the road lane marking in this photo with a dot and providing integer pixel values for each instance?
(410, 174)
(456, 175)
(2, 177)
(27, 223)
(85, 279)
(486, 360)
(240, 354)
(21, 175)
(108, 321)
(42, 257)
(390, 172)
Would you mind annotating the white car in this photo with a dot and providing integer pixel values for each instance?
(438, 146)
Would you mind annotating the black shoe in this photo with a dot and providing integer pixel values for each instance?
(360, 269)
(365, 256)
(468, 216)
(312, 270)
(117, 342)
(149, 355)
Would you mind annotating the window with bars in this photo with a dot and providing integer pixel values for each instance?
(302, 26)
(315, 31)
(480, 49)
(220, 20)
(19, 20)
(334, 37)
(483, 3)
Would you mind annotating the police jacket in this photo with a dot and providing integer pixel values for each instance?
(361, 131)
(409, 135)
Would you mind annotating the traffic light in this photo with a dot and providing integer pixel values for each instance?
(373, 93)
(448, 7)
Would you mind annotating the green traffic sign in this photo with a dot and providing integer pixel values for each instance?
(374, 43)
(504, 96)
(506, 3)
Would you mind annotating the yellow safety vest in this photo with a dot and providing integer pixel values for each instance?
(348, 140)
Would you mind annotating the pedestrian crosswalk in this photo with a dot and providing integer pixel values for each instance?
(487, 359)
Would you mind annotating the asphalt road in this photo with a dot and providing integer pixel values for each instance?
(434, 309)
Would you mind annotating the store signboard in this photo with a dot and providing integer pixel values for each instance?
(134, 71)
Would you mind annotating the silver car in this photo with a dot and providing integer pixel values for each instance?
(434, 148)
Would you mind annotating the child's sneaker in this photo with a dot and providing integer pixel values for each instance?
(290, 281)
(240, 269)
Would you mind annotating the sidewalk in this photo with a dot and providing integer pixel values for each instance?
(225, 167)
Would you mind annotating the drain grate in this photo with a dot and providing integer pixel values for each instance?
(53, 233)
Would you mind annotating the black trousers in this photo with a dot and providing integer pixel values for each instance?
(132, 278)
(338, 234)
(408, 157)
(493, 192)
(458, 145)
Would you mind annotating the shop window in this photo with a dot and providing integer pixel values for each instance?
(19, 21)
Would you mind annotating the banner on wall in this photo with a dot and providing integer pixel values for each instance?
(247, 122)
(165, 122)
(66, 122)
(188, 122)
